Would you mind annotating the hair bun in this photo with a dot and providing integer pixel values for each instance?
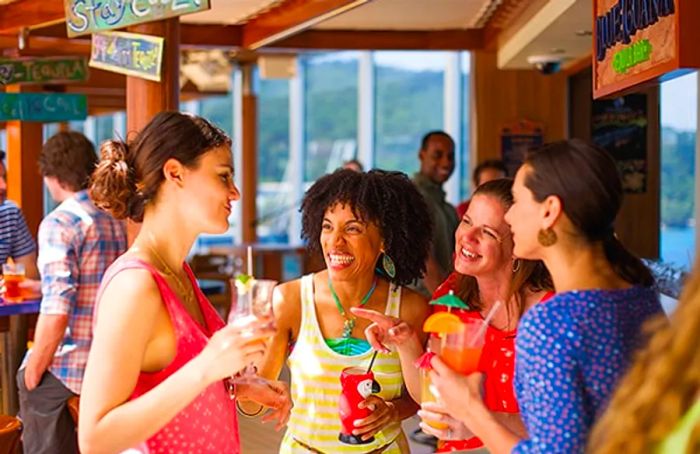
(113, 185)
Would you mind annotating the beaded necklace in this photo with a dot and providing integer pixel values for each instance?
(349, 320)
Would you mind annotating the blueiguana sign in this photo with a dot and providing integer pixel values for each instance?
(128, 53)
(43, 107)
(88, 16)
(43, 70)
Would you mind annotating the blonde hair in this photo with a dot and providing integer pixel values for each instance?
(662, 384)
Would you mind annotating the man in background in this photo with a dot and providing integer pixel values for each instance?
(437, 162)
(15, 240)
(491, 169)
(77, 243)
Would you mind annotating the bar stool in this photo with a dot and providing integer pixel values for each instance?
(10, 432)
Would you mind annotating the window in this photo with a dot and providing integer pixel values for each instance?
(331, 93)
(409, 103)
(679, 111)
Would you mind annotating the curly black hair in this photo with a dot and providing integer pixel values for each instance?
(387, 199)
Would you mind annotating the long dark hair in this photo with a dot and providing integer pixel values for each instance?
(586, 180)
(529, 276)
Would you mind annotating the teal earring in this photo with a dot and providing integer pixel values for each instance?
(388, 266)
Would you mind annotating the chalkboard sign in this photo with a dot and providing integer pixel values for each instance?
(620, 126)
(42, 107)
(88, 16)
(43, 70)
(128, 53)
(517, 139)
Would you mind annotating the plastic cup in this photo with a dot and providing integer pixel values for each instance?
(14, 275)
(426, 395)
(356, 385)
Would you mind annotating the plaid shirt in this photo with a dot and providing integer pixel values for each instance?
(77, 243)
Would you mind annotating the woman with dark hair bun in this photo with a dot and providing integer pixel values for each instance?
(157, 377)
(572, 349)
(374, 232)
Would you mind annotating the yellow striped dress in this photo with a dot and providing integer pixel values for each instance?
(315, 369)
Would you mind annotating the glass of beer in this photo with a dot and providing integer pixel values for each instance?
(14, 275)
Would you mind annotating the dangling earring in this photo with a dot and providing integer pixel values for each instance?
(388, 266)
(516, 265)
(546, 237)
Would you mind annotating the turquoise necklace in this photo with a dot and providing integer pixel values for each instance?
(349, 321)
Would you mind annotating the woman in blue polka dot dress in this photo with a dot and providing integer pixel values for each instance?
(572, 349)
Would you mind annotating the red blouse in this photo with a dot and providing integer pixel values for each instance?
(497, 363)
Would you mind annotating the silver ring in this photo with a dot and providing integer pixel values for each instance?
(449, 433)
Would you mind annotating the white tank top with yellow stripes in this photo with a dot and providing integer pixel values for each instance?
(315, 370)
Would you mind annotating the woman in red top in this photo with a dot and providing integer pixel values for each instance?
(486, 272)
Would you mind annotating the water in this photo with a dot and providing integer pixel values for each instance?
(678, 246)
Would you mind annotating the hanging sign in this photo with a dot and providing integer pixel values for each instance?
(42, 107)
(31, 70)
(128, 53)
(88, 16)
(637, 41)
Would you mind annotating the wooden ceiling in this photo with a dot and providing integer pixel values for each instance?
(273, 26)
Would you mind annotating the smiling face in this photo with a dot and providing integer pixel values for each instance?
(210, 190)
(483, 242)
(437, 160)
(525, 218)
(351, 246)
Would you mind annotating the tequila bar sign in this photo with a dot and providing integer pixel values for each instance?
(128, 53)
(637, 42)
(88, 16)
(42, 107)
(43, 70)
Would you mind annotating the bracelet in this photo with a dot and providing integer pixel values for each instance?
(249, 415)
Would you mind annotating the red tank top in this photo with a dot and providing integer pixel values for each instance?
(497, 363)
(208, 423)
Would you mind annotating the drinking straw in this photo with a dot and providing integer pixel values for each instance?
(371, 362)
(485, 324)
(250, 261)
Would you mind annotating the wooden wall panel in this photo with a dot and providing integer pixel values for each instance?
(639, 221)
(500, 97)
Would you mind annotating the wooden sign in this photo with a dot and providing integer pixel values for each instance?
(88, 16)
(128, 53)
(42, 107)
(43, 70)
(518, 138)
(640, 41)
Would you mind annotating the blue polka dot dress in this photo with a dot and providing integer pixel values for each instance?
(570, 353)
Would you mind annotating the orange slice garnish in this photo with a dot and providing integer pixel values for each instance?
(442, 322)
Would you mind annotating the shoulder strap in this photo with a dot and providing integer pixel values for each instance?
(393, 302)
(126, 263)
(308, 309)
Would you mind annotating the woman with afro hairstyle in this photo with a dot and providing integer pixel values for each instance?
(373, 230)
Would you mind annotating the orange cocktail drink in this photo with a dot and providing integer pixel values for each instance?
(13, 274)
(462, 350)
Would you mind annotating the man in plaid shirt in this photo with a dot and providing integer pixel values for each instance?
(77, 243)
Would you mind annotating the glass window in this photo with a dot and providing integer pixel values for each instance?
(273, 158)
(679, 111)
(219, 111)
(331, 111)
(409, 103)
(464, 171)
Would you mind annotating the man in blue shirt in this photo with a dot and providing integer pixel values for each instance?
(15, 239)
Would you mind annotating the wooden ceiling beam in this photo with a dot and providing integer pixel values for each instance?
(30, 14)
(383, 40)
(292, 17)
(210, 36)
